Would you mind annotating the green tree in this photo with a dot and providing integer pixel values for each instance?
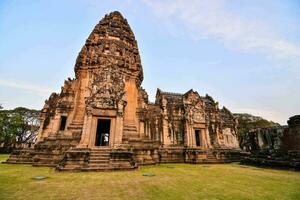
(18, 126)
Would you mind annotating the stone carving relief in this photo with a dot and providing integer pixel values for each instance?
(194, 107)
(199, 117)
(107, 90)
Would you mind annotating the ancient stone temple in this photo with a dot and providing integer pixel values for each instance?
(102, 119)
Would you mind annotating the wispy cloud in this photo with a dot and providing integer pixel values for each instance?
(212, 19)
(28, 87)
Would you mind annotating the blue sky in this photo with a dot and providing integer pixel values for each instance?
(245, 54)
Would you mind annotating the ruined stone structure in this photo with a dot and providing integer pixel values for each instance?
(275, 146)
(291, 137)
(103, 119)
(264, 138)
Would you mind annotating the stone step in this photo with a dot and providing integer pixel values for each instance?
(100, 153)
(98, 165)
(130, 128)
(129, 125)
(47, 156)
(17, 162)
(19, 158)
(101, 149)
(99, 156)
(132, 138)
(47, 160)
(99, 161)
(77, 122)
(131, 122)
(130, 133)
(92, 157)
(74, 127)
(95, 169)
(212, 157)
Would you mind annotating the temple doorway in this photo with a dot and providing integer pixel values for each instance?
(102, 134)
(197, 136)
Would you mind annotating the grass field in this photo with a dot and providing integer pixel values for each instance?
(171, 181)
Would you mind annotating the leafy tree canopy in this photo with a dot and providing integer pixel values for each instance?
(18, 126)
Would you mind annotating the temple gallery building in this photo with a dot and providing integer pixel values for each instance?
(102, 119)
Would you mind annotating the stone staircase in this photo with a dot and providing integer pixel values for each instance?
(46, 159)
(130, 133)
(98, 160)
(76, 128)
(209, 156)
(213, 157)
(23, 156)
(222, 156)
(51, 151)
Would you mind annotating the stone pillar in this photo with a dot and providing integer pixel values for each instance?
(56, 123)
(118, 132)
(192, 136)
(206, 132)
(132, 94)
(147, 130)
(84, 142)
(142, 129)
(217, 136)
(202, 139)
(188, 135)
(166, 138)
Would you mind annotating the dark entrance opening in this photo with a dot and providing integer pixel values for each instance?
(197, 136)
(63, 122)
(102, 134)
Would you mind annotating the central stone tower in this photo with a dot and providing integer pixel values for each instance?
(109, 72)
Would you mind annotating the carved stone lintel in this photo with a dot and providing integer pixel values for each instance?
(107, 88)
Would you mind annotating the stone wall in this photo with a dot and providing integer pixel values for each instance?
(291, 137)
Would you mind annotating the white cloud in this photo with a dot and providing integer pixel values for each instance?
(211, 19)
(28, 87)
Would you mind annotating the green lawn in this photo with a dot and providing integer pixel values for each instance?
(171, 181)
